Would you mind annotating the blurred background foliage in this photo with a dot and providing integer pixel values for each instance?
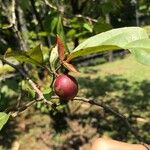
(74, 125)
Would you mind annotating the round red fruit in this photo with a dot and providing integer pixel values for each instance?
(65, 86)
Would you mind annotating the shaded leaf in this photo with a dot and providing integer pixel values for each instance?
(60, 31)
(101, 26)
(50, 22)
(48, 93)
(3, 119)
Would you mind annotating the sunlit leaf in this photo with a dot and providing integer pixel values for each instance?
(36, 54)
(33, 56)
(26, 87)
(53, 57)
(3, 119)
(48, 93)
(141, 50)
(111, 40)
(88, 27)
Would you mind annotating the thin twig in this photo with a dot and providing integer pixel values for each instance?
(33, 85)
(13, 19)
(108, 109)
(90, 101)
(50, 5)
(14, 26)
(19, 110)
(114, 112)
(13, 23)
(86, 17)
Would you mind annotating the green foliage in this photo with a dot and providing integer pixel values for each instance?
(50, 23)
(141, 50)
(101, 26)
(133, 38)
(53, 57)
(27, 88)
(79, 27)
(3, 119)
(33, 56)
(88, 27)
(60, 29)
(40, 22)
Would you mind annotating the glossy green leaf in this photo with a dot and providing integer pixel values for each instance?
(3, 119)
(53, 57)
(33, 56)
(109, 40)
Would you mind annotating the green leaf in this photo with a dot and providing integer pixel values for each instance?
(26, 87)
(33, 56)
(3, 119)
(88, 27)
(36, 55)
(53, 57)
(48, 93)
(141, 50)
(110, 40)
(60, 31)
(50, 22)
(25, 4)
(101, 26)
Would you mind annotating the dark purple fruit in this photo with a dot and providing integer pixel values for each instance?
(65, 86)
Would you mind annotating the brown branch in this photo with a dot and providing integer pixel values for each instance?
(110, 110)
(14, 27)
(32, 84)
(50, 5)
(86, 17)
(82, 99)
(19, 110)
